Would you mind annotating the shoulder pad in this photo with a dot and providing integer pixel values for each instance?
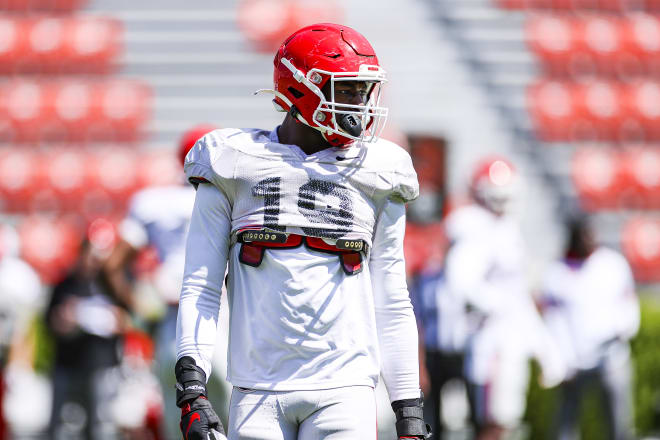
(396, 165)
(214, 157)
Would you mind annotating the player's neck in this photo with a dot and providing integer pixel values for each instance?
(294, 132)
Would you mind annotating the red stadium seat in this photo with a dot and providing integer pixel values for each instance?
(55, 44)
(116, 173)
(49, 245)
(73, 110)
(641, 43)
(266, 23)
(551, 107)
(598, 178)
(24, 104)
(67, 176)
(19, 178)
(41, 5)
(596, 110)
(640, 166)
(574, 5)
(572, 45)
(554, 41)
(93, 45)
(643, 100)
(121, 109)
(640, 240)
(13, 44)
(597, 104)
(160, 167)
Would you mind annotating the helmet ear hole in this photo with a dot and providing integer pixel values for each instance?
(296, 93)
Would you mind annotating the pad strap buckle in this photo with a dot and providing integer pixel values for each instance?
(254, 242)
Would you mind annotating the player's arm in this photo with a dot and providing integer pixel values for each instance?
(133, 237)
(395, 321)
(114, 269)
(207, 248)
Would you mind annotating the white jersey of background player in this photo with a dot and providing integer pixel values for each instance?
(21, 298)
(310, 219)
(591, 307)
(486, 267)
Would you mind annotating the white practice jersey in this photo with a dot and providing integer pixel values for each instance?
(590, 306)
(297, 320)
(486, 266)
(160, 217)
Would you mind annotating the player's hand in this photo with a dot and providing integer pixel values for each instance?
(200, 422)
(410, 419)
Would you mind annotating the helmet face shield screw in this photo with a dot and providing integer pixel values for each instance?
(316, 78)
(320, 117)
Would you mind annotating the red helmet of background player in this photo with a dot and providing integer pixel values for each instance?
(322, 54)
(492, 184)
(189, 138)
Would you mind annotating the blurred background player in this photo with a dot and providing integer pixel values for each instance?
(442, 321)
(591, 307)
(87, 322)
(21, 298)
(158, 218)
(486, 269)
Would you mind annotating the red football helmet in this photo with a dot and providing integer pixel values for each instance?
(190, 137)
(321, 53)
(493, 184)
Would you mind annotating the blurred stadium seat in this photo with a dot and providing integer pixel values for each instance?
(598, 178)
(641, 165)
(577, 45)
(595, 110)
(116, 171)
(70, 45)
(18, 178)
(158, 167)
(66, 175)
(49, 245)
(640, 240)
(580, 5)
(73, 110)
(41, 5)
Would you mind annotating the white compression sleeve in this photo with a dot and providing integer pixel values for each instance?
(206, 260)
(397, 329)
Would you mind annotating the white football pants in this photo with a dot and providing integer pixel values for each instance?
(346, 413)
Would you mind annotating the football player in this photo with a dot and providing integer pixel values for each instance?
(485, 267)
(309, 217)
(595, 346)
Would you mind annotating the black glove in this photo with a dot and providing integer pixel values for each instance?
(198, 420)
(410, 419)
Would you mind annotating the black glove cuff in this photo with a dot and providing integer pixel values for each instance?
(190, 381)
(410, 418)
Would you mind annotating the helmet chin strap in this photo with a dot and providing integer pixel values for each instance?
(346, 122)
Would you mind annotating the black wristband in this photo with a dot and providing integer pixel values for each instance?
(410, 418)
(190, 381)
